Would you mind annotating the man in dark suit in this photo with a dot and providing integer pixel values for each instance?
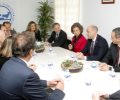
(18, 81)
(105, 96)
(113, 55)
(96, 46)
(9, 31)
(58, 36)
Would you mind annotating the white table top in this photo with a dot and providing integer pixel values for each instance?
(75, 85)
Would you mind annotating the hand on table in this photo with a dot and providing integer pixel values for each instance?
(80, 55)
(70, 47)
(100, 96)
(47, 44)
(57, 84)
(60, 85)
(104, 67)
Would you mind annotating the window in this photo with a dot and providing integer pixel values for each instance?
(67, 12)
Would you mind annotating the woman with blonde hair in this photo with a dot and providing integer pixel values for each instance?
(6, 50)
(32, 27)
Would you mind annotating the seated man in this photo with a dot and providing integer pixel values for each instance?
(9, 31)
(105, 96)
(113, 55)
(96, 46)
(18, 81)
(58, 36)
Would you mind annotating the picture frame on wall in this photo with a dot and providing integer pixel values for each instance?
(108, 1)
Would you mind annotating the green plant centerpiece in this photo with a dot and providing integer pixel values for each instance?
(39, 47)
(72, 66)
(45, 18)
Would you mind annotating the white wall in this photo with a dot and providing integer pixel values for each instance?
(105, 16)
(25, 11)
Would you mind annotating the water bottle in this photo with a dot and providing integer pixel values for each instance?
(50, 65)
(93, 65)
(50, 49)
(67, 74)
(88, 82)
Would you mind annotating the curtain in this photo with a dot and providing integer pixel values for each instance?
(67, 12)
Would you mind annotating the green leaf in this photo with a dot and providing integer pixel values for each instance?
(45, 18)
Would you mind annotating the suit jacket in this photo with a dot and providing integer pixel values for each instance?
(111, 57)
(100, 49)
(115, 96)
(18, 82)
(60, 41)
(79, 43)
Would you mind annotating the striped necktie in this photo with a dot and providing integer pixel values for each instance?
(92, 47)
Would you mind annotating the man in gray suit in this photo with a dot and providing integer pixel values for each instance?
(19, 82)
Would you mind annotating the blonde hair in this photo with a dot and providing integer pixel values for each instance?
(6, 48)
(29, 26)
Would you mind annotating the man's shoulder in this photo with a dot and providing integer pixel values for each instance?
(15, 61)
(16, 64)
(62, 32)
(102, 39)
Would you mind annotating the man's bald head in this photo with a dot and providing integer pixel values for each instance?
(92, 31)
(2, 37)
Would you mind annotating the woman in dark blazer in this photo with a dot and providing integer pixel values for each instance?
(32, 27)
(78, 40)
(6, 50)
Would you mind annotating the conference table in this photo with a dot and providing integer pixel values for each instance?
(80, 85)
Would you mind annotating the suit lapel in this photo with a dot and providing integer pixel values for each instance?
(115, 51)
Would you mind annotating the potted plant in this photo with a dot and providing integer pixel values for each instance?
(45, 18)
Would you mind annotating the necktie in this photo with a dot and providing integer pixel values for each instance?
(57, 35)
(118, 56)
(92, 47)
(56, 38)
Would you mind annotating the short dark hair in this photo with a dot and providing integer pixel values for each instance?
(6, 22)
(22, 44)
(55, 24)
(77, 25)
(117, 32)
